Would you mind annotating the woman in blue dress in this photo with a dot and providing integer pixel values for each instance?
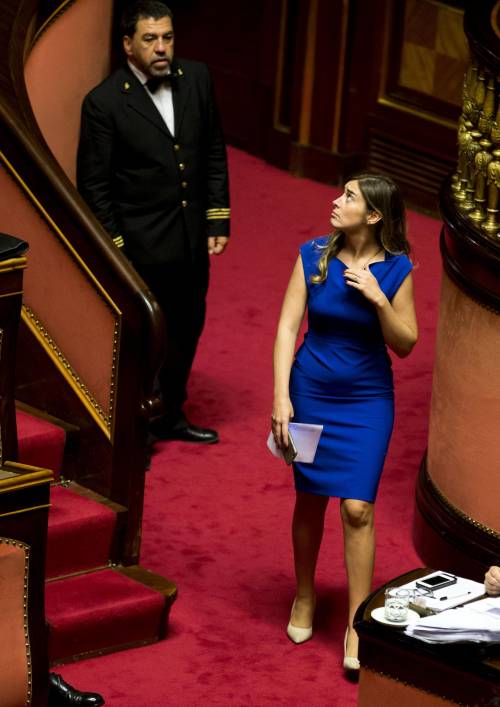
(357, 287)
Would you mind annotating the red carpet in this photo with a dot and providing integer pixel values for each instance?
(40, 442)
(97, 610)
(217, 518)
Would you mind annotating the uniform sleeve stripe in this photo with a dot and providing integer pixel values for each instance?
(118, 241)
(213, 217)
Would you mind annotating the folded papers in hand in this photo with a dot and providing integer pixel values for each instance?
(306, 439)
(478, 622)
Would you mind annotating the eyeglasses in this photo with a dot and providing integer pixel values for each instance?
(423, 592)
(420, 595)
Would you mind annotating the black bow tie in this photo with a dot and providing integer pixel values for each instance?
(155, 82)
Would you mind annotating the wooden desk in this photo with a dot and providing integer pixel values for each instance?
(399, 671)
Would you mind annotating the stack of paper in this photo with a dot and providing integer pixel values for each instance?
(477, 622)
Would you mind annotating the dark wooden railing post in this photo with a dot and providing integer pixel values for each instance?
(11, 295)
(24, 506)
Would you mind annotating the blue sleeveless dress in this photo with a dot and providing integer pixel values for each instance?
(342, 379)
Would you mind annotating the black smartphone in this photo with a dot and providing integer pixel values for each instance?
(290, 452)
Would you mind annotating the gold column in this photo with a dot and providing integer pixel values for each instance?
(476, 182)
(492, 225)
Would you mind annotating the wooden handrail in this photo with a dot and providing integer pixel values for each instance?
(94, 237)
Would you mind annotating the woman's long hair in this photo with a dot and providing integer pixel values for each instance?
(382, 195)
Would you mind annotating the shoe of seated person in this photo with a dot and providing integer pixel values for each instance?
(62, 693)
(184, 431)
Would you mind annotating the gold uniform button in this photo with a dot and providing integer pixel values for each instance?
(182, 166)
(177, 148)
(184, 204)
(184, 184)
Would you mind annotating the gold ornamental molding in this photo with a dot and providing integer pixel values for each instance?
(13, 264)
(495, 19)
(40, 507)
(475, 185)
(15, 476)
(26, 549)
(51, 19)
(12, 294)
(413, 110)
(457, 512)
(1, 431)
(104, 418)
(446, 6)
(57, 231)
(460, 281)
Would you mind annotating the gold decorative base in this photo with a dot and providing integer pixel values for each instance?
(491, 229)
(478, 215)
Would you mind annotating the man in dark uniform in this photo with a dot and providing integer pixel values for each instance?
(152, 166)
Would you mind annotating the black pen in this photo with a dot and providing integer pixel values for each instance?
(454, 596)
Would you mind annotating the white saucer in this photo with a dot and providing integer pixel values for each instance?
(378, 615)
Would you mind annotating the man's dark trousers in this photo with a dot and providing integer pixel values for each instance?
(180, 289)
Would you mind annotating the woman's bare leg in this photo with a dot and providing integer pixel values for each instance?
(359, 556)
(307, 533)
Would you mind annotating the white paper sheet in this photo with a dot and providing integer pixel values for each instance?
(454, 595)
(477, 622)
(306, 439)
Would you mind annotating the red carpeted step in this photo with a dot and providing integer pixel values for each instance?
(102, 611)
(80, 533)
(40, 442)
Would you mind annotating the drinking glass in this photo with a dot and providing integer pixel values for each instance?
(396, 604)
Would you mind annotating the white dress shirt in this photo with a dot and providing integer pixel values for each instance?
(162, 98)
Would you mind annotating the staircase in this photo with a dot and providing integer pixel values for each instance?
(92, 605)
(87, 350)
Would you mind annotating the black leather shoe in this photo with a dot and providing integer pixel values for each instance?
(192, 433)
(188, 433)
(60, 694)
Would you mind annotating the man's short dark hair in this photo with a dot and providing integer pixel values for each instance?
(141, 9)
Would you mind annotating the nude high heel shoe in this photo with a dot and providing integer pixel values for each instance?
(296, 633)
(350, 663)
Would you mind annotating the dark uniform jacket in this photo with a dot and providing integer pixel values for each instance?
(158, 195)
